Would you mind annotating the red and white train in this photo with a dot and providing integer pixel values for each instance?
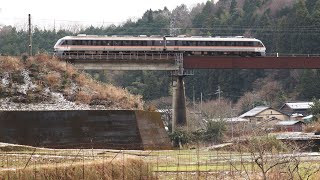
(195, 45)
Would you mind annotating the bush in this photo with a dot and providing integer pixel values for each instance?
(214, 131)
(179, 137)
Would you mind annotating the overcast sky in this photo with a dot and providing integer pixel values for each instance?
(95, 12)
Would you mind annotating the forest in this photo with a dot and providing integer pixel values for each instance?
(284, 26)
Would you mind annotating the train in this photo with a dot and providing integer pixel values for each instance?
(194, 45)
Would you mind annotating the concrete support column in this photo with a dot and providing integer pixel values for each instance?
(179, 117)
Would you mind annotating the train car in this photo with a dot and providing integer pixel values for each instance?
(195, 45)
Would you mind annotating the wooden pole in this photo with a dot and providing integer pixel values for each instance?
(30, 36)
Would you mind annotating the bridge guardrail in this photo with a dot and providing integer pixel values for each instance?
(291, 55)
(120, 56)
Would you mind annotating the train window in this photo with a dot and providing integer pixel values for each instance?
(153, 43)
(257, 44)
(65, 42)
(158, 43)
(247, 43)
(219, 43)
(260, 44)
(201, 43)
(127, 43)
(227, 43)
(170, 43)
(239, 43)
(94, 42)
(212, 43)
(144, 43)
(178, 43)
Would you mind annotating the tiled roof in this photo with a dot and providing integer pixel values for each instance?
(254, 111)
(287, 123)
(300, 105)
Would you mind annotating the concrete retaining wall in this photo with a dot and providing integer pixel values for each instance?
(123, 129)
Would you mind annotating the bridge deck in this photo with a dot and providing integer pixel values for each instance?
(168, 62)
(292, 62)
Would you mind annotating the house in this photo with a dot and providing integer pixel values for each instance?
(296, 108)
(290, 126)
(264, 113)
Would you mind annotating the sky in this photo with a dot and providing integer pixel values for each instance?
(92, 12)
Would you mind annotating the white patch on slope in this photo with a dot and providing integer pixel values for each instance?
(27, 82)
(5, 79)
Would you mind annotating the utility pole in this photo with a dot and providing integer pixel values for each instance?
(219, 92)
(172, 26)
(30, 36)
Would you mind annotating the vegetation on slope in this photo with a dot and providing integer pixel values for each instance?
(32, 80)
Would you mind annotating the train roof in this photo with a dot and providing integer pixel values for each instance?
(139, 38)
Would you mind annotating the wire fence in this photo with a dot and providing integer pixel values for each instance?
(193, 163)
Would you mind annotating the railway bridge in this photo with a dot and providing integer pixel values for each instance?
(182, 66)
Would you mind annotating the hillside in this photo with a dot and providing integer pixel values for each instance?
(45, 83)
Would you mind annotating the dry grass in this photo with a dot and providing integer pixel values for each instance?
(54, 79)
(101, 169)
(83, 97)
(61, 77)
(10, 64)
(313, 127)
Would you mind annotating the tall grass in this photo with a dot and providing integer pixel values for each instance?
(10, 64)
(101, 169)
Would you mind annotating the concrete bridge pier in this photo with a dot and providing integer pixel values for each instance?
(179, 117)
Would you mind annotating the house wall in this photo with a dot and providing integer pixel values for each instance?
(271, 113)
(298, 127)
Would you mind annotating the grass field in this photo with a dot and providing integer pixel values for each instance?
(20, 162)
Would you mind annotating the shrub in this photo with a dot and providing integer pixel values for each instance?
(10, 64)
(179, 137)
(83, 97)
(53, 79)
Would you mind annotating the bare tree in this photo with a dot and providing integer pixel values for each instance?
(266, 153)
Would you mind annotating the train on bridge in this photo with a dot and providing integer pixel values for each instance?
(195, 45)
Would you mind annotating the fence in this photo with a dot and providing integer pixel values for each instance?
(18, 162)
